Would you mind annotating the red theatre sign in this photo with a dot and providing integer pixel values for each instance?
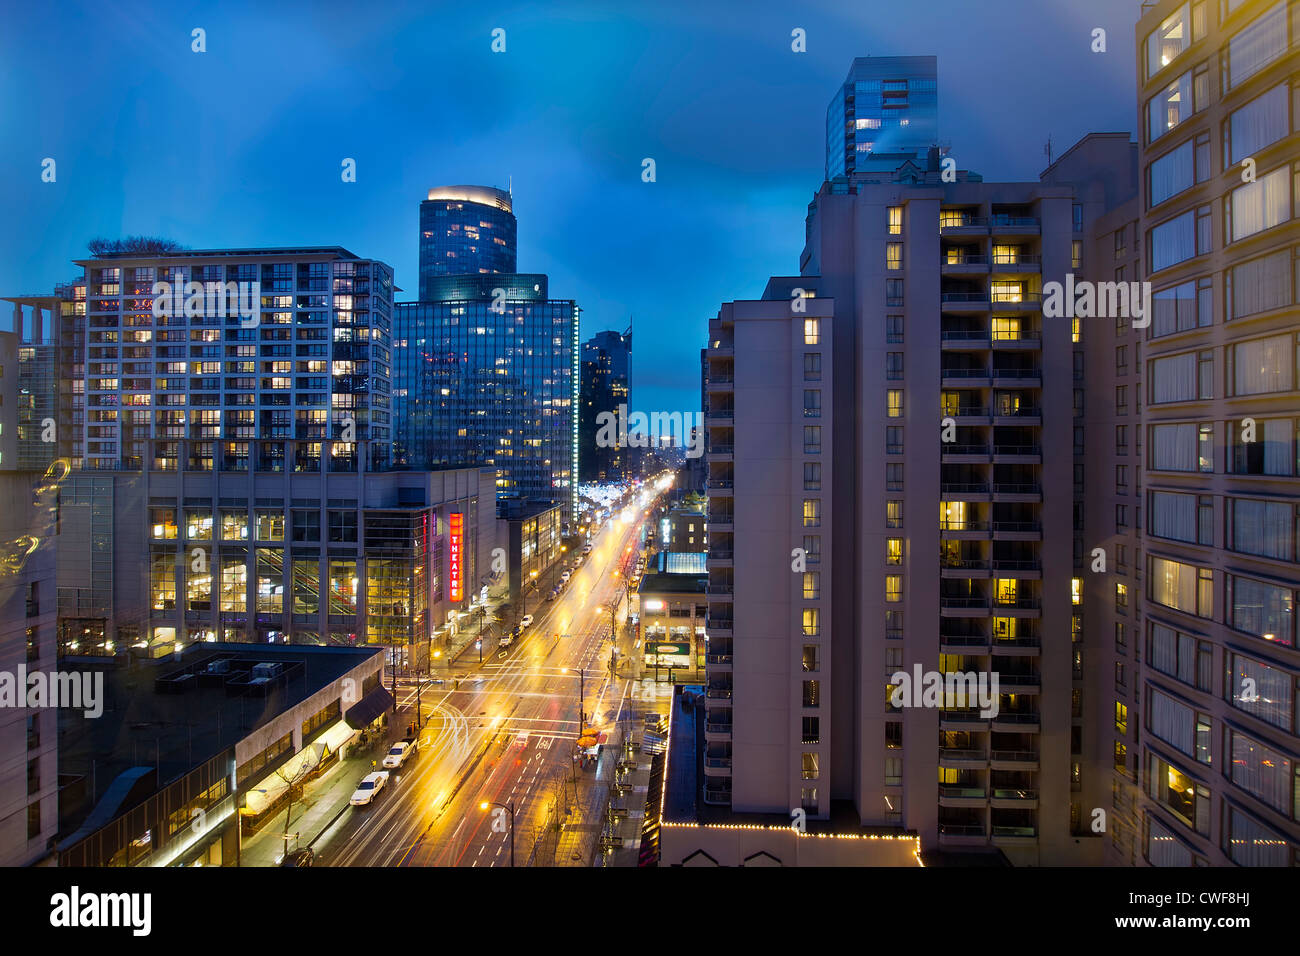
(456, 554)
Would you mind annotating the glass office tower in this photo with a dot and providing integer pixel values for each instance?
(885, 114)
(465, 230)
(481, 384)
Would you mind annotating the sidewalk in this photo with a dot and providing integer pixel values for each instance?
(321, 802)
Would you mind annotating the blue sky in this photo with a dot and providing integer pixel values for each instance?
(242, 145)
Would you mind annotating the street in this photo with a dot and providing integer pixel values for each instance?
(507, 735)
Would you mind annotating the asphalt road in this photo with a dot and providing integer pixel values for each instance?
(507, 734)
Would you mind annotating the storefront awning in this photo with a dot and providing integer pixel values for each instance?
(364, 711)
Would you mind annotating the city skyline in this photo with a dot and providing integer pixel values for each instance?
(236, 182)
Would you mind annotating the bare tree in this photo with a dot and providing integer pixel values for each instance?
(142, 245)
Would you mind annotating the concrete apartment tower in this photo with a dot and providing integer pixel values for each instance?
(892, 485)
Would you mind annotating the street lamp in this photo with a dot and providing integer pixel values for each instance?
(504, 806)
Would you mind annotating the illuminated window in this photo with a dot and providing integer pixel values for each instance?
(1007, 291)
(953, 515)
(1005, 591)
(343, 586)
(895, 220)
(812, 585)
(893, 550)
(270, 581)
(198, 525)
(810, 766)
(1076, 253)
(234, 582)
(1121, 595)
(1121, 717)
(234, 525)
(163, 521)
(812, 622)
(893, 255)
(894, 403)
(812, 331)
(270, 526)
(1076, 590)
(162, 581)
(1006, 328)
(1005, 255)
(893, 588)
(893, 514)
(812, 512)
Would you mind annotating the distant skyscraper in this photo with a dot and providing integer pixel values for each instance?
(886, 113)
(465, 230)
(606, 375)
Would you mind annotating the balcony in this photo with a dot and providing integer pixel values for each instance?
(717, 729)
(965, 569)
(1014, 682)
(1018, 530)
(719, 484)
(1014, 759)
(720, 588)
(963, 225)
(964, 530)
(963, 263)
(1016, 722)
(967, 414)
(963, 606)
(1017, 491)
(718, 693)
(961, 834)
(717, 766)
(717, 796)
(962, 643)
(952, 796)
(959, 302)
(720, 625)
(1017, 262)
(1014, 836)
(954, 453)
(719, 416)
(713, 659)
(721, 383)
(961, 719)
(965, 491)
(965, 377)
(1018, 454)
(1016, 645)
(1014, 225)
(1017, 377)
(1018, 569)
(963, 758)
(721, 452)
(1022, 415)
(956, 339)
(719, 521)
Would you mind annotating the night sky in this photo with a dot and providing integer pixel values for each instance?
(242, 145)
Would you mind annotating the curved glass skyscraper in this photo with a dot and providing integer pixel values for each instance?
(465, 230)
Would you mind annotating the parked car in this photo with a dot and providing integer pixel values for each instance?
(399, 753)
(506, 640)
(555, 592)
(565, 576)
(526, 621)
(586, 549)
(369, 788)
(302, 857)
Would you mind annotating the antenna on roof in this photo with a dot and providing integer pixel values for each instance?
(1048, 150)
(510, 185)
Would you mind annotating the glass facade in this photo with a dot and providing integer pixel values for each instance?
(885, 113)
(485, 386)
(465, 230)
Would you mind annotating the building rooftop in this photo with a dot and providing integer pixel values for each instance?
(160, 715)
(657, 583)
(484, 195)
(297, 252)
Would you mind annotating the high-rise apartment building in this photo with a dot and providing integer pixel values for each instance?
(1194, 449)
(606, 374)
(303, 386)
(891, 489)
(885, 114)
(465, 230)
